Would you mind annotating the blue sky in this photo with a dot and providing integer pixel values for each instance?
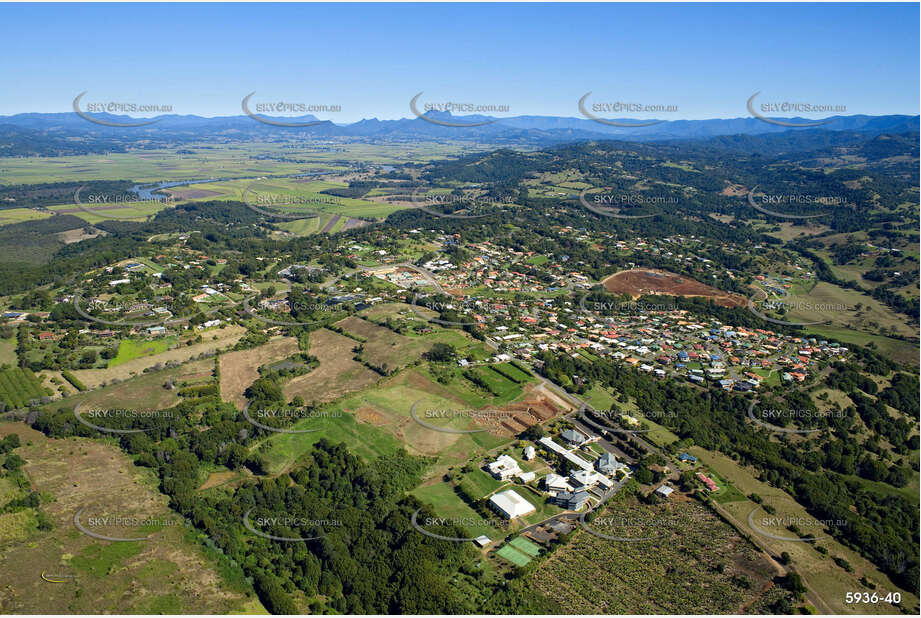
(370, 59)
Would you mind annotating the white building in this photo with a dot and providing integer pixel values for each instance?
(511, 505)
(584, 479)
(529, 453)
(504, 468)
(482, 540)
(562, 452)
(555, 483)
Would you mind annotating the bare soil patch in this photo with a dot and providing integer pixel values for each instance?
(533, 408)
(352, 223)
(733, 190)
(240, 369)
(71, 236)
(638, 282)
(216, 479)
(371, 416)
(337, 374)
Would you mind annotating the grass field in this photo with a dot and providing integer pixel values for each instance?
(658, 434)
(788, 231)
(384, 348)
(599, 398)
(388, 406)
(303, 227)
(18, 215)
(337, 374)
(221, 338)
(143, 392)
(283, 450)
(91, 213)
(222, 161)
(839, 306)
(130, 349)
(172, 572)
(446, 503)
(900, 351)
(241, 368)
(8, 351)
(482, 484)
(727, 492)
(504, 389)
(538, 260)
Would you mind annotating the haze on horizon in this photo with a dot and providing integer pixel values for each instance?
(704, 60)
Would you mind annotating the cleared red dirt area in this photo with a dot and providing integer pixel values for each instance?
(534, 408)
(638, 282)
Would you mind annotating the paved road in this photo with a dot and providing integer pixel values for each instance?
(607, 444)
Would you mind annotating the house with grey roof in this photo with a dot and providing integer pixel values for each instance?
(608, 464)
(573, 437)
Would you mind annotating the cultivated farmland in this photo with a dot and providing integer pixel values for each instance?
(18, 386)
(694, 564)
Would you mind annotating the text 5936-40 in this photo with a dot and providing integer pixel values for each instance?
(873, 597)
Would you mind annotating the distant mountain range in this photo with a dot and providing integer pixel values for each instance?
(516, 128)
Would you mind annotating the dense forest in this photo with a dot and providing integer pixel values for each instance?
(363, 556)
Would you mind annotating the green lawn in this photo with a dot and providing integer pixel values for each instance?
(8, 351)
(302, 227)
(658, 434)
(538, 260)
(448, 504)
(599, 398)
(482, 483)
(504, 389)
(369, 442)
(726, 493)
(129, 349)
